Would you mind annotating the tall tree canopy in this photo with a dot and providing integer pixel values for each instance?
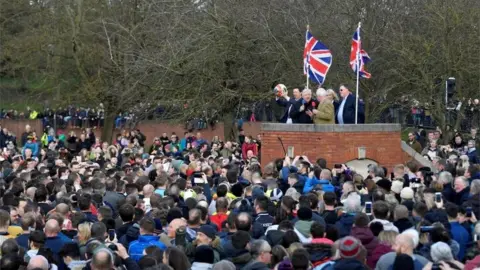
(214, 54)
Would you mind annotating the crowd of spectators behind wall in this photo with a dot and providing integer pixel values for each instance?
(74, 202)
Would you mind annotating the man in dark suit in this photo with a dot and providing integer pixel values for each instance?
(303, 108)
(346, 108)
(289, 104)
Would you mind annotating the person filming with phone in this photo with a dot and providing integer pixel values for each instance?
(282, 99)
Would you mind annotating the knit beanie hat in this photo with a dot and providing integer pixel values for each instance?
(441, 252)
(406, 193)
(349, 247)
(397, 186)
(208, 230)
(204, 254)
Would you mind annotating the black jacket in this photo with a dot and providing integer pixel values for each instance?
(348, 109)
(474, 202)
(256, 265)
(286, 106)
(122, 230)
(241, 258)
(301, 116)
(274, 237)
(448, 192)
(403, 224)
(261, 223)
(462, 196)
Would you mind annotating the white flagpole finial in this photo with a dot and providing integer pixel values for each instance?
(359, 24)
(308, 27)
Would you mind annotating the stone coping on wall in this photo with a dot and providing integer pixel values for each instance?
(331, 128)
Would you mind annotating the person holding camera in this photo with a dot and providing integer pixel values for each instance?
(282, 99)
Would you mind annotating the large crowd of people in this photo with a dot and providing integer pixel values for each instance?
(75, 202)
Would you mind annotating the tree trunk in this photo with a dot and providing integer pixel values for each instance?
(108, 127)
(229, 127)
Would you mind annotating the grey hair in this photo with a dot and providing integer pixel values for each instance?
(464, 179)
(475, 187)
(321, 92)
(353, 203)
(259, 246)
(306, 91)
(224, 265)
(445, 177)
(38, 258)
(414, 235)
(377, 171)
(441, 252)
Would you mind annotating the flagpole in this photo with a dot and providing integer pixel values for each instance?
(308, 60)
(358, 72)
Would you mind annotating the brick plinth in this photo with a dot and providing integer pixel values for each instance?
(335, 143)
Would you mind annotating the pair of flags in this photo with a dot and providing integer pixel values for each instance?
(317, 58)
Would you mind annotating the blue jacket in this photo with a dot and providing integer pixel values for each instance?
(55, 243)
(473, 157)
(460, 234)
(32, 146)
(136, 247)
(312, 182)
(302, 179)
(344, 224)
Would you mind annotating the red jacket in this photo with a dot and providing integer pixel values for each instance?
(218, 219)
(472, 264)
(380, 250)
(249, 146)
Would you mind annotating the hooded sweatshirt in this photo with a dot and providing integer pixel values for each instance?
(303, 226)
(365, 235)
(320, 250)
(387, 225)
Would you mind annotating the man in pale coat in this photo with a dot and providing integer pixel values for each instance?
(325, 113)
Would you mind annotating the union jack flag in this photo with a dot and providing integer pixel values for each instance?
(359, 57)
(317, 59)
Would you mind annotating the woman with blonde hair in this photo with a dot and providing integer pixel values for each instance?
(84, 233)
(332, 95)
(386, 240)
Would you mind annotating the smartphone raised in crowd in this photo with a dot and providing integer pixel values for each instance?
(368, 208)
(438, 197)
(468, 212)
(111, 234)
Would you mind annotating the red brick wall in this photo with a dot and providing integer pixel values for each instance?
(336, 147)
(151, 129)
(18, 126)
